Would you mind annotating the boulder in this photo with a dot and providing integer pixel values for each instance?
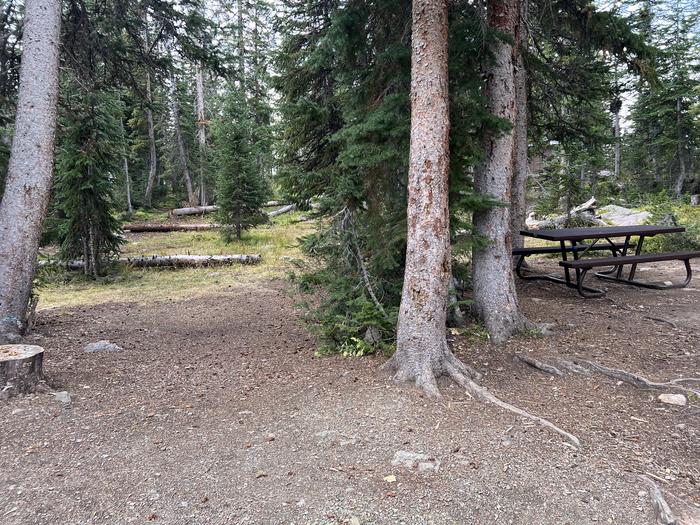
(102, 346)
(621, 216)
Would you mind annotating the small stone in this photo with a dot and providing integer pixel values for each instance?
(261, 474)
(673, 399)
(270, 437)
(412, 460)
(354, 521)
(102, 346)
(17, 411)
(63, 397)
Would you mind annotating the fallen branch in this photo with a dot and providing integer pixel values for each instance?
(660, 320)
(150, 227)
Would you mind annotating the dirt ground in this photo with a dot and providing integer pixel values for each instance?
(217, 411)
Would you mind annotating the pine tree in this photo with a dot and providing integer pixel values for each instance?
(88, 161)
(241, 188)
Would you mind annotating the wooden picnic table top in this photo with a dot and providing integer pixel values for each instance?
(599, 232)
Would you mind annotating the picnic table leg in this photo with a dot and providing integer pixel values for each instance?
(624, 252)
(563, 257)
(575, 253)
(638, 251)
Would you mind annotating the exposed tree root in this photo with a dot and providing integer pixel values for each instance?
(540, 365)
(584, 367)
(662, 510)
(634, 379)
(465, 377)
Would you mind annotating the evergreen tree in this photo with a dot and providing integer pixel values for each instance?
(88, 162)
(241, 188)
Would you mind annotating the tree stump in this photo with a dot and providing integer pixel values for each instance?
(21, 369)
(695, 200)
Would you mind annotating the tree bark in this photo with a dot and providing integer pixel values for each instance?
(495, 299)
(181, 151)
(28, 185)
(618, 144)
(127, 179)
(520, 158)
(422, 353)
(147, 227)
(21, 369)
(201, 132)
(152, 157)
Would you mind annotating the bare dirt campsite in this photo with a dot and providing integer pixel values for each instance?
(218, 410)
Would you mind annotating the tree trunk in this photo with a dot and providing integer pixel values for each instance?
(28, 185)
(618, 144)
(518, 203)
(181, 151)
(152, 158)
(422, 353)
(241, 46)
(680, 179)
(21, 369)
(201, 132)
(127, 179)
(495, 299)
(129, 205)
(148, 227)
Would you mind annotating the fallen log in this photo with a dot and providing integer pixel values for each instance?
(150, 227)
(194, 210)
(21, 369)
(581, 215)
(272, 204)
(283, 209)
(201, 210)
(174, 261)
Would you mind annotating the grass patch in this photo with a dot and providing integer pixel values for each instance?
(277, 242)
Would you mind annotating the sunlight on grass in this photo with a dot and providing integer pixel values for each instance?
(277, 242)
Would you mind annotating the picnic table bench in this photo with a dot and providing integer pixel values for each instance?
(617, 261)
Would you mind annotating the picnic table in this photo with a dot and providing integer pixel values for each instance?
(578, 242)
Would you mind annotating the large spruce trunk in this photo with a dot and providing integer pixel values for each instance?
(421, 345)
(30, 168)
(520, 158)
(495, 299)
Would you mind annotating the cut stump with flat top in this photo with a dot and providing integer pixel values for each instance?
(21, 369)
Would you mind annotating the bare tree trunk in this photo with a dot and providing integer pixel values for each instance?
(152, 159)
(680, 179)
(520, 159)
(24, 203)
(421, 345)
(201, 132)
(182, 152)
(127, 179)
(618, 145)
(129, 205)
(241, 46)
(495, 299)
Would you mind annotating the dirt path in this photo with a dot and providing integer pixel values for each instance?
(217, 411)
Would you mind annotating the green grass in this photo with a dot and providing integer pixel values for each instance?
(276, 242)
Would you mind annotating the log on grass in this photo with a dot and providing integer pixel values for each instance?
(21, 369)
(283, 209)
(271, 204)
(194, 210)
(189, 260)
(582, 215)
(150, 227)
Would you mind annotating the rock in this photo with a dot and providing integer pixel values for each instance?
(695, 200)
(354, 521)
(673, 399)
(63, 397)
(621, 216)
(102, 346)
(411, 460)
(372, 335)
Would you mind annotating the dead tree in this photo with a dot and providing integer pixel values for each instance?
(30, 168)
